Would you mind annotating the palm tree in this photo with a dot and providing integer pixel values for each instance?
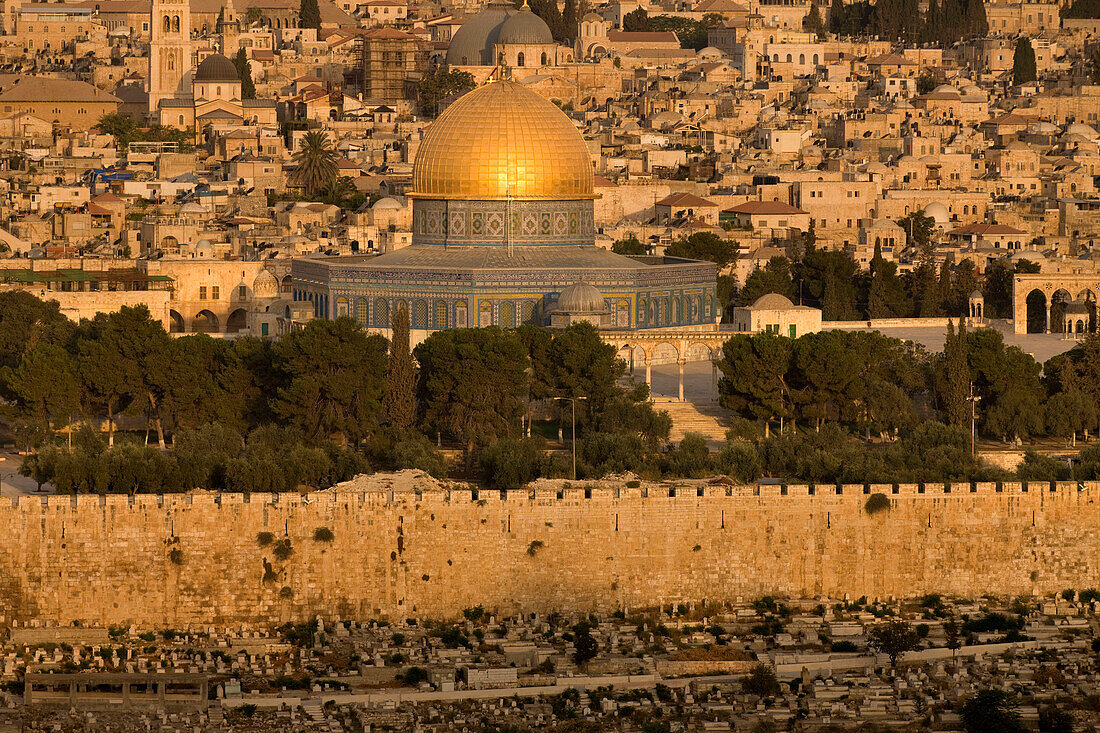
(315, 162)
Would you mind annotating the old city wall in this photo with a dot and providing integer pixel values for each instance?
(108, 560)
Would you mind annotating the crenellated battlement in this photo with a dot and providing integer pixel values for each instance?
(400, 545)
(569, 494)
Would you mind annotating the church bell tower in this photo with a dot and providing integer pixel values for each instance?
(169, 51)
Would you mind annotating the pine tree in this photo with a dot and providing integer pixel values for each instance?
(399, 399)
(955, 385)
(309, 15)
(1095, 76)
(244, 71)
(1023, 62)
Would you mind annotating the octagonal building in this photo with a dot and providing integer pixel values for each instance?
(502, 224)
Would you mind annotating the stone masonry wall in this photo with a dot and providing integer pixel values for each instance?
(106, 560)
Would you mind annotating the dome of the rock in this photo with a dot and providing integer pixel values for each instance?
(502, 141)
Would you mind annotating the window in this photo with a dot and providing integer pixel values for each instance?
(214, 295)
(263, 329)
(242, 291)
(202, 292)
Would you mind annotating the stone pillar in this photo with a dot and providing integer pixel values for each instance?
(126, 695)
(72, 694)
(714, 380)
(632, 360)
(649, 372)
(680, 363)
(1048, 318)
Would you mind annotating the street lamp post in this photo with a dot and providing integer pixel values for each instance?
(573, 440)
(973, 400)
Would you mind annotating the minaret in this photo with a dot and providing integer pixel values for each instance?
(169, 50)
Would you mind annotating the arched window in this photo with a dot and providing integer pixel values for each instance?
(801, 58)
(789, 59)
(381, 313)
(361, 311)
(420, 314)
(167, 24)
(544, 59)
(460, 315)
(507, 315)
(170, 61)
(519, 59)
(176, 24)
(440, 314)
(815, 59)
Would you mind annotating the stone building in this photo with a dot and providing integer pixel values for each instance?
(776, 314)
(502, 35)
(502, 223)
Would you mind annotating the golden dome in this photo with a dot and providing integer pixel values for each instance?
(499, 141)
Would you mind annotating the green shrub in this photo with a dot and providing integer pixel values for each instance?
(176, 556)
(633, 484)
(263, 539)
(877, 503)
(282, 549)
(534, 547)
(286, 592)
(323, 534)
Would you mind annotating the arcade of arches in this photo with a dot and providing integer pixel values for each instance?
(1055, 303)
(640, 348)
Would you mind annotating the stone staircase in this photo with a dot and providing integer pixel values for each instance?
(706, 418)
(313, 710)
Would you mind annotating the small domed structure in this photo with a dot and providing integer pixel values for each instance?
(204, 249)
(525, 28)
(581, 298)
(580, 302)
(976, 303)
(938, 212)
(386, 202)
(215, 68)
(773, 302)
(265, 285)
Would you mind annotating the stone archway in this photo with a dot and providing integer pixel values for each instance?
(175, 323)
(1059, 299)
(237, 321)
(205, 322)
(1037, 313)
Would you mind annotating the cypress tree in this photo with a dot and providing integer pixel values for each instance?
(836, 16)
(570, 19)
(1023, 62)
(309, 15)
(812, 23)
(955, 389)
(399, 399)
(244, 71)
